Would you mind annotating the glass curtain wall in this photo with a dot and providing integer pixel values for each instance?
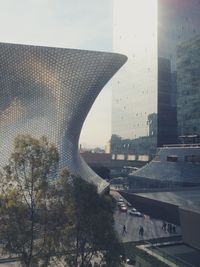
(151, 96)
(178, 22)
(134, 106)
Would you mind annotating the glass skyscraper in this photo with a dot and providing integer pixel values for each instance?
(144, 108)
(188, 90)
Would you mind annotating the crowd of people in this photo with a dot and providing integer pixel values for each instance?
(168, 227)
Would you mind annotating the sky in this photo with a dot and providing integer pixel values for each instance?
(81, 24)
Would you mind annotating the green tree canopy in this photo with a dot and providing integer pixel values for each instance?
(51, 219)
(92, 237)
(25, 190)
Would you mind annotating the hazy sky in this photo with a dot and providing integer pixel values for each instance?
(84, 24)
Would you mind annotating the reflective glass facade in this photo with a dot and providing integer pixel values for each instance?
(144, 108)
(134, 106)
(178, 22)
(188, 89)
(48, 92)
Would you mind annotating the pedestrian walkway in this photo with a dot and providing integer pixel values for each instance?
(152, 228)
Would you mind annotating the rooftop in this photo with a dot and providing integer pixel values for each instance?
(189, 200)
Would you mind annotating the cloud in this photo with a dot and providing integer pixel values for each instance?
(77, 24)
(65, 23)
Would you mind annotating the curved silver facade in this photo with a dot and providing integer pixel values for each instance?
(49, 91)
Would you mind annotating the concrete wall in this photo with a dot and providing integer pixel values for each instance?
(190, 227)
(154, 208)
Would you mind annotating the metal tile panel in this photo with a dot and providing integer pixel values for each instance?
(49, 91)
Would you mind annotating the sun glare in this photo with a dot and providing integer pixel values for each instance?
(139, 16)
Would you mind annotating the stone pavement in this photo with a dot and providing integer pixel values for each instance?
(11, 264)
(152, 227)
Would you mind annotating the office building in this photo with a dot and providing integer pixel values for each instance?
(172, 167)
(188, 90)
(144, 108)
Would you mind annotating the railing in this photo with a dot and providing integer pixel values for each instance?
(157, 252)
(181, 145)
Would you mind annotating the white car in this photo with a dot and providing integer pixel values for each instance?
(134, 212)
(120, 201)
(133, 209)
(123, 207)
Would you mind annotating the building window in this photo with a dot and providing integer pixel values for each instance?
(131, 157)
(192, 159)
(143, 157)
(120, 157)
(172, 158)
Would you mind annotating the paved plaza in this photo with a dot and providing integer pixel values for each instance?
(152, 227)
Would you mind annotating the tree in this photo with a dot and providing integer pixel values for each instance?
(26, 187)
(92, 237)
(47, 218)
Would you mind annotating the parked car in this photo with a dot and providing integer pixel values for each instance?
(133, 209)
(134, 212)
(120, 201)
(123, 207)
(130, 262)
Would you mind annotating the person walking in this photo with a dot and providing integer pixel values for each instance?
(124, 230)
(164, 226)
(141, 231)
(174, 229)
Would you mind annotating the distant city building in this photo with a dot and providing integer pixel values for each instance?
(144, 107)
(173, 166)
(48, 91)
(107, 147)
(188, 89)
